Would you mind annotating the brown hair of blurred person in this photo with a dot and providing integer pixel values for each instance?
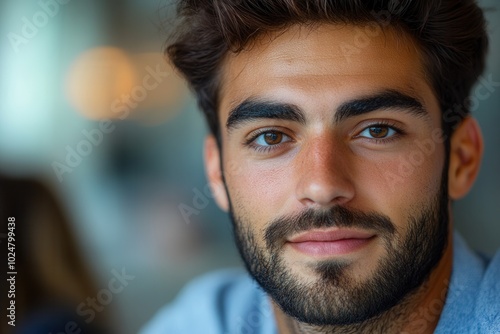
(50, 270)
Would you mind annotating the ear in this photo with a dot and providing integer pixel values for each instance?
(466, 152)
(214, 172)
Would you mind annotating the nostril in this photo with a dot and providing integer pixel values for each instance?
(312, 191)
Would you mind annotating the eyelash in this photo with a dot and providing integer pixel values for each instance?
(398, 132)
(266, 149)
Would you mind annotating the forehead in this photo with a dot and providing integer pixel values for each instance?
(327, 62)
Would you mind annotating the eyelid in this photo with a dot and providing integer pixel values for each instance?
(252, 136)
(381, 123)
(399, 132)
(261, 149)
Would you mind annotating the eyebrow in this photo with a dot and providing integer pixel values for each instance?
(389, 99)
(251, 109)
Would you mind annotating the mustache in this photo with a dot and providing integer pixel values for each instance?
(285, 227)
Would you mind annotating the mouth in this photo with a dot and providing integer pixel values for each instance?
(320, 243)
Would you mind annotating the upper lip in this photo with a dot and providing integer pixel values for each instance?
(331, 235)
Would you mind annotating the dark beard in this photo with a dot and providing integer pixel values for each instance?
(335, 299)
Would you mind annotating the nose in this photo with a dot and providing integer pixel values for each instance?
(324, 171)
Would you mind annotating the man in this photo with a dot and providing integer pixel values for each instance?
(340, 135)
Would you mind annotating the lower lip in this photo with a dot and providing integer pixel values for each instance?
(325, 248)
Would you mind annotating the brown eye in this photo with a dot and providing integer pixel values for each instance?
(269, 139)
(273, 137)
(378, 131)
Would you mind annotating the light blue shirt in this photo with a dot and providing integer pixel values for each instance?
(230, 302)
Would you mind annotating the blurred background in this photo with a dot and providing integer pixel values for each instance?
(97, 130)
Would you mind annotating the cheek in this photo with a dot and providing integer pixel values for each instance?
(259, 191)
(400, 184)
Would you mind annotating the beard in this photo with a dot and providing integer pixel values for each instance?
(335, 298)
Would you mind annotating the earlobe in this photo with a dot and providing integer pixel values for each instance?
(466, 152)
(214, 172)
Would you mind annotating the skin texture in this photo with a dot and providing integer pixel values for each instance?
(320, 163)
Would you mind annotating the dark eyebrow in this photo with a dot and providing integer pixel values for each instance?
(390, 99)
(251, 109)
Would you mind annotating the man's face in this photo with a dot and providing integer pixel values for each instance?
(333, 169)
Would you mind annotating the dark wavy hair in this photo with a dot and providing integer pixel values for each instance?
(451, 35)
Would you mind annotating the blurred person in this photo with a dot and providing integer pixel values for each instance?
(340, 136)
(52, 278)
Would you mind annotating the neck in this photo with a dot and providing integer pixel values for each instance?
(418, 312)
